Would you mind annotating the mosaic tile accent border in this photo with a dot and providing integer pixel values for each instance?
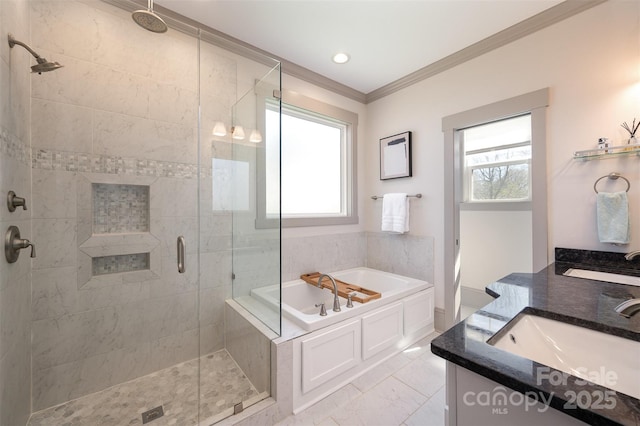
(11, 146)
(120, 263)
(120, 208)
(94, 163)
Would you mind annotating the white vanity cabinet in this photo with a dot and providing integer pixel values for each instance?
(329, 358)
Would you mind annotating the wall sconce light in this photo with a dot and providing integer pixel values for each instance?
(255, 136)
(219, 129)
(237, 132)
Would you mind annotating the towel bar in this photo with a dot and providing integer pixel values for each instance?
(613, 176)
(375, 197)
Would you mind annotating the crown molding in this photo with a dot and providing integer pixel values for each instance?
(531, 25)
(522, 29)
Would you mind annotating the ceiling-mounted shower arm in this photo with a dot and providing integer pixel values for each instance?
(149, 20)
(13, 42)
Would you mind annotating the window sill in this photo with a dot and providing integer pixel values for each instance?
(497, 206)
(306, 221)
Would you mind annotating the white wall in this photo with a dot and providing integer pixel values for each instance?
(591, 64)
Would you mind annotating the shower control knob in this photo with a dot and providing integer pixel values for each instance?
(13, 201)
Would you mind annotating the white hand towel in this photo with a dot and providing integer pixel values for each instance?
(612, 210)
(395, 213)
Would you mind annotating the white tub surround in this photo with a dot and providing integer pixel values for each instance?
(330, 351)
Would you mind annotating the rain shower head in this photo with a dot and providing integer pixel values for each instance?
(43, 65)
(148, 20)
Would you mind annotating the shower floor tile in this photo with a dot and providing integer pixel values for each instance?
(223, 384)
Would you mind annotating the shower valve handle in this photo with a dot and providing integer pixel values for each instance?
(13, 244)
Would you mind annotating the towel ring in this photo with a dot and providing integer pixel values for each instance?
(613, 176)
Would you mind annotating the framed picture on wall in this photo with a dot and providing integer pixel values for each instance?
(395, 156)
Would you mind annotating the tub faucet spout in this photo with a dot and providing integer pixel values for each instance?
(628, 308)
(336, 301)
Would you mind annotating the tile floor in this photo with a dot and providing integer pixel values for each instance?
(405, 390)
(224, 384)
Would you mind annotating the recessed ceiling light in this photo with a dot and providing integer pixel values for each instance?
(340, 58)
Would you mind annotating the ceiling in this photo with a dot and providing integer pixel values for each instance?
(386, 39)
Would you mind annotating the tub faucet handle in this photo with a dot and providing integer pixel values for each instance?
(323, 310)
(349, 301)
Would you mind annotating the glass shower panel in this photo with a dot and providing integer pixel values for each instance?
(235, 345)
(256, 235)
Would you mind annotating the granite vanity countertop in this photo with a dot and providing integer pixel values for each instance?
(578, 301)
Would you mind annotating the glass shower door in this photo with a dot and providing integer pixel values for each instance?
(114, 324)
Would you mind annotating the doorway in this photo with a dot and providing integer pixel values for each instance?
(495, 214)
(457, 193)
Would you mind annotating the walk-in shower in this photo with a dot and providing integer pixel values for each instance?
(43, 65)
(115, 157)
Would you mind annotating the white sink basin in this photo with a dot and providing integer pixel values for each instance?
(610, 361)
(603, 276)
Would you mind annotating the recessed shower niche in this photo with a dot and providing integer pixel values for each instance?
(116, 241)
(120, 209)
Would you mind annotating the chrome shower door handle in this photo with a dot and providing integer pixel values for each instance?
(181, 251)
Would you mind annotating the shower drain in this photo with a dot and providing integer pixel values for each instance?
(151, 415)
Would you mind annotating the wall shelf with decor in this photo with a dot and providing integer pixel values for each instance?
(610, 152)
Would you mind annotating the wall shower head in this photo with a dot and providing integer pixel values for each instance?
(148, 20)
(43, 65)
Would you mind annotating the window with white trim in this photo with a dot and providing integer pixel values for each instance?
(317, 163)
(497, 161)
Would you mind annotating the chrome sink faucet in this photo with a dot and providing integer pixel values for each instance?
(628, 308)
(336, 301)
(631, 255)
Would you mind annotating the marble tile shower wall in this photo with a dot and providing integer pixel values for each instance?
(15, 278)
(126, 104)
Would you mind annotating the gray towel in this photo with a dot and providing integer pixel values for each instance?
(613, 217)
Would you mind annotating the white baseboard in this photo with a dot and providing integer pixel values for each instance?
(439, 320)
